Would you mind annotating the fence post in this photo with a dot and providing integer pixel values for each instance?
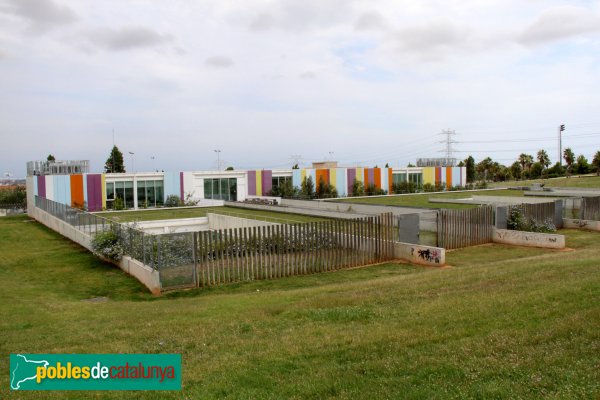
(195, 258)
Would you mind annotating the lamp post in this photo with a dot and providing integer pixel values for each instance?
(152, 158)
(131, 153)
(218, 159)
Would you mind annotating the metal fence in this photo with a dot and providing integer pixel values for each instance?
(210, 258)
(590, 208)
(466, 227)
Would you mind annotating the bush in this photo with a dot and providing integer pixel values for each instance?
(118, 204)
(13, 195)
(517, 222)
(106, 244)
(172, 201)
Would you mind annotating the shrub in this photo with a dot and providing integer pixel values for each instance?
(118, 204)
(106, 244)
(172, 201)
(517, 222)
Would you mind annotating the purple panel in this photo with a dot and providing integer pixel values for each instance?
(41, 179)
(267, 181)
(371, 174)
(94, 183)
(181, 185)
(351, 173)
(251, 183)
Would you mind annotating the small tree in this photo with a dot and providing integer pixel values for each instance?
(358, 188)
(114, 163)
(470, 164)
(307, 189)
(229, 169)
(50, 158)
(543, 159)
(596, 163)
(582, 166)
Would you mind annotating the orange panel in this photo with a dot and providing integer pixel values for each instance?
(77, 198)
(377, 177)
(366, 182)
(390, 180)
(322, 174)
(448, 177)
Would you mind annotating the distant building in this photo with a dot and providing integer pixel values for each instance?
(58, 167)
(99, 191)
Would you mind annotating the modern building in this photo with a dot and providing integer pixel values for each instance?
(151, 189)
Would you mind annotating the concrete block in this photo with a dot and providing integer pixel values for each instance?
(581, 224)
(558, 213)
(408, 228)
(529, 239)
(501, 217)
(418, 254)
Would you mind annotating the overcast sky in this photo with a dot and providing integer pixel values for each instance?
(362, 82)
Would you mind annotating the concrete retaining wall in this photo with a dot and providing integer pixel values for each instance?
(173, 225)
(581, 224)
(297, 210)
(417, 254)
(218, 221)
(143, 273)
(347, 207)
(530, 239)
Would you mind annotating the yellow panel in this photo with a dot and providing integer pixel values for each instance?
(332, 177)
(360, 175)
(259, 191)
(429, 175)
(103, 184)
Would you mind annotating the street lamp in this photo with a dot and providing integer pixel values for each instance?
(152, 158)
(131, 153)
(218, 159)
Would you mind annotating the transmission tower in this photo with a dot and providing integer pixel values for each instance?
(448, 151)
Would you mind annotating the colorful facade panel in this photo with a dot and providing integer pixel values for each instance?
(77, 196)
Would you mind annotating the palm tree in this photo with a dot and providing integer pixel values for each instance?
(569, 157)
(525, 160)
(543, 158)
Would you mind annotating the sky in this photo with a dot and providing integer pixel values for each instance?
(269, 83)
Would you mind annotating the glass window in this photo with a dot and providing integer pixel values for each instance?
(150, 195)
(232, 189)
(224, 189)
(208, 189)
(141, 194)
(215, 189)
(128, 194)
(110, 191)
(158, 190)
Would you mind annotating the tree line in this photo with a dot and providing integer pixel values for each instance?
(528, 167)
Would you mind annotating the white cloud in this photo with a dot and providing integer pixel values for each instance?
(41, 14)
(560, 23)
(219, 62)
(126, 38)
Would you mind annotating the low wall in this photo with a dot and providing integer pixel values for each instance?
(417, 254)
(530, 239)
(218, 221)
(297, 210)
(348, 207)
(173, 225)
(146, 275)
(581, 224)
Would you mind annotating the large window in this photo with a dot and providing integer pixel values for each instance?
(149, 193)
(276, 181)
(221, 189)
(119, 190)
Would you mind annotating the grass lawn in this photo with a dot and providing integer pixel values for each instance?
(502, 322)
(422, 199)
(173, 213)
(583, 181)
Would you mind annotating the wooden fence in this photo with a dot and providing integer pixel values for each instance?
(271, 252)
(462, 228)
(538, 213)
(590, 208)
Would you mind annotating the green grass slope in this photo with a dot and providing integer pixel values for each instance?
(502, 322)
